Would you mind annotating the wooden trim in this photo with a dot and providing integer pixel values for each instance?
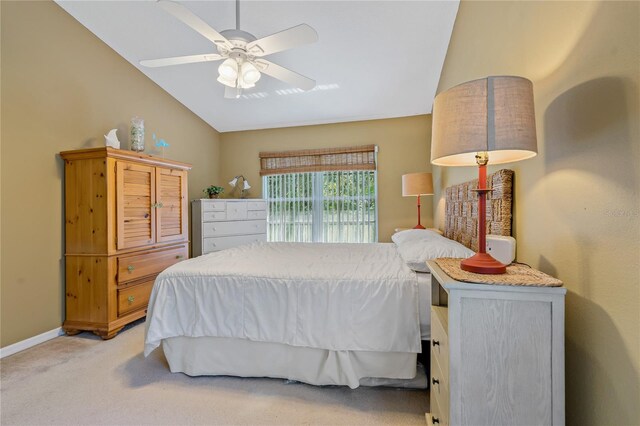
(115, 325)
(112, 214)
(122, 154)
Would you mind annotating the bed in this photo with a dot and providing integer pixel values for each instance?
(323, 314)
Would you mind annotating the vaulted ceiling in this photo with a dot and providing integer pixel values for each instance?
(374, 59)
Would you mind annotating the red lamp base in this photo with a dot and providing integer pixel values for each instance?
(418, 226)
(483, 263)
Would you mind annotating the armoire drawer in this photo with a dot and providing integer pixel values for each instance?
(135, 297)
(221, 229)
(138, 266)
(439, 337)
(220, 243)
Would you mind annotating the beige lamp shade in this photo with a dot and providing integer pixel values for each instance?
(493, 114)
(415, 184)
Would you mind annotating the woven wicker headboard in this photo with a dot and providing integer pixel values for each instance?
(461, 209)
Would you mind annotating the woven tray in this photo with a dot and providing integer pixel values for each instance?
(517, 274)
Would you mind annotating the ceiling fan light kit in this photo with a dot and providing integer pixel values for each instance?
(242, 52)
(228, 70)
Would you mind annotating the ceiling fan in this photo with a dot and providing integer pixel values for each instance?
(242, 52)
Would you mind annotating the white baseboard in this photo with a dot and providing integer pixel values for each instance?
(30, 342)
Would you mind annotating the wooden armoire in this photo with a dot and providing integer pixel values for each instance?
(126, 220)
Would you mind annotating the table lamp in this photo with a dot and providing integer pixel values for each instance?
(481, 121)
(245, 185)
(415, 185)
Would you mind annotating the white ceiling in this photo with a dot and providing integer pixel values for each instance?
(375, 59)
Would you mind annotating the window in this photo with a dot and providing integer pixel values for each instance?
(327, 206)
(321, 195)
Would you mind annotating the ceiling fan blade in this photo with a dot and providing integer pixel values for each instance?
(232, 92)
(177, 60)
(284, 74)
(288, 39)
(189, 18)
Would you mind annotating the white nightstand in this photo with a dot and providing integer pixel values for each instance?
(497, 353)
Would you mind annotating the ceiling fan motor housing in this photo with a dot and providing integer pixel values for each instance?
(238, 36)
(239, 39)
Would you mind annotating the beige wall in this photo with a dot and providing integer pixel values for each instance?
(577, 203)
(63, 88)
(403, 145)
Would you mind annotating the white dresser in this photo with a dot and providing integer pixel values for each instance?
(497, 353)
(219, 224)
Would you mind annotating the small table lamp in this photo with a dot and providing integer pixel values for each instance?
(415, 185)
(245, 185)
(488, 119)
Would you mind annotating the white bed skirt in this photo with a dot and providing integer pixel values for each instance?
(221, 356)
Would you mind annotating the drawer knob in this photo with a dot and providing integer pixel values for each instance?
(179, 256)
(130, 268)
(131, 299)
(435, 343)
(435, 381)
(435, 420)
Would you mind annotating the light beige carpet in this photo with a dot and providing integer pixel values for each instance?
(84, 380)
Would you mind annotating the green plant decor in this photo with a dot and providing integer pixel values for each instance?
(213, 191)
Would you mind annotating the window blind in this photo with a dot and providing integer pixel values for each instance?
(318, 160)
(334, 206)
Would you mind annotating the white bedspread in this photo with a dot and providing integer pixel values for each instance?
(327, 296)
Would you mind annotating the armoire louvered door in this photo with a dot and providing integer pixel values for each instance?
(136, 202)
(171, 218)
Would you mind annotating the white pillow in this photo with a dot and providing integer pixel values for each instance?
(416, 253)
(414, 234)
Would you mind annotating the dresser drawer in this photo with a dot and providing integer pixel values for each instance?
(221, 229)
(435, 417)
(213, 205)
(257, 214)
(214, 216)
(439, 337)
(220, 243)
(135, 297)
(142, 265)
(439, 391)
(256, 205)
(236, 210)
